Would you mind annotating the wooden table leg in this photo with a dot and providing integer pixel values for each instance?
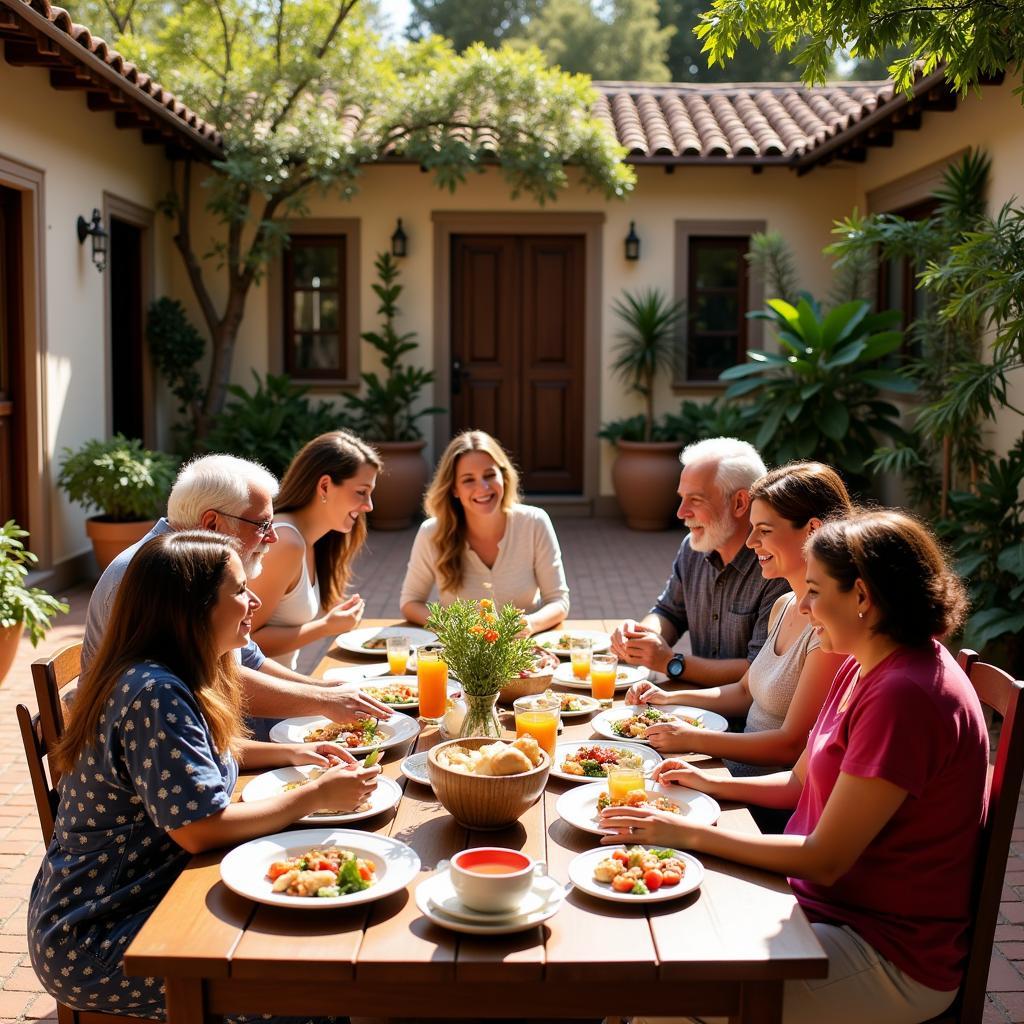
(760, 1003)
(185, 1001)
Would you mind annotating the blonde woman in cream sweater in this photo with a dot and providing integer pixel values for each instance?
(481, 541)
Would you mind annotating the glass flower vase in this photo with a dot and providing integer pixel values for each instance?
(481, 716)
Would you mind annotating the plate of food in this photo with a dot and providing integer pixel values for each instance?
(575, 705)
(281, 780)
(401, 693)
(631, 723)
(582, 805)
(625, 676)
(359, 736)
(373, 640)
(636, 874)
(557, 640)
(589, 761)
(319, 868)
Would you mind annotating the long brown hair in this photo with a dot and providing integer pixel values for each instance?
(338, 455)
(162, 612)
(801, 491)
(441, 503)
(918, 594)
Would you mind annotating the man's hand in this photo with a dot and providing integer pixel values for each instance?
(637, 644)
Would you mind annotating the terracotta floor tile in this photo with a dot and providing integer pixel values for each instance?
(1012, 911)
(13, 1004)
(43, 1008)
(1004, 977)
(24, 979)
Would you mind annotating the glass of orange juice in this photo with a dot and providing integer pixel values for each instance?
(538, 717)
(579, 653)
(432, 680)
(398, 654)
(622, 781)
(603, 670)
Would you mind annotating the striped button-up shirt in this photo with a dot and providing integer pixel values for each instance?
(725, 607)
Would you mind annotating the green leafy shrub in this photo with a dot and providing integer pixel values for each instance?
(384, 412)
(118, 478)
(695, 421)
(819, 398)
(272, 423)
(29, 607)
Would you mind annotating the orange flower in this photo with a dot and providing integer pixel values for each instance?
(490, 636)
(489, 619)
(476, 630)
(487, 604)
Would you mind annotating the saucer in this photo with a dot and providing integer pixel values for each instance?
(433, 888)
(414, 768)
(442, 897)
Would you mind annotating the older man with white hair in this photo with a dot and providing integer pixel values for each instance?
(716, 590)
(235, 497)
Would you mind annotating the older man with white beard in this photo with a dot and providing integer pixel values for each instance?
(716, 590)
(235, 497)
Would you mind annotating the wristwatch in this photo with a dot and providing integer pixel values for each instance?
(676, 668)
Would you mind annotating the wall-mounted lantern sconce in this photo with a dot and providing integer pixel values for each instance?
(98, 234)
(632, 243)
(399, 243)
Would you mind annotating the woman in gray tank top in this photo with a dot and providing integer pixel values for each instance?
(786, 684)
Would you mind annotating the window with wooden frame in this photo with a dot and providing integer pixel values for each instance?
(717, 301)
(314, 305)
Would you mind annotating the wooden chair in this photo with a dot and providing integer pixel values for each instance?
(1001, 693)
(54, 679)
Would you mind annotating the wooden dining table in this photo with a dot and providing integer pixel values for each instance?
(724, 950)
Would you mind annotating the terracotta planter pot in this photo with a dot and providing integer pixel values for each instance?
(9, 637)
(646, 475)
(399, 491)
(110, 539)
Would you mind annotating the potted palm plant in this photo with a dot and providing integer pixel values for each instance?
(125, 483)
(22, 609)
(384, 415)
(646, 467)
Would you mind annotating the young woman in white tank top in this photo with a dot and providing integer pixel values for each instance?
(783, 690)
(325, 495)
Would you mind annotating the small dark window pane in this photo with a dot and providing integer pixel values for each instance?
(316, 352)
(717, 268)
(314, 266)
(716, 313)
(710, 356)
(315, 311)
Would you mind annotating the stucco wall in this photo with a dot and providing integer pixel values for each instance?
(802, 208)
(82, 156)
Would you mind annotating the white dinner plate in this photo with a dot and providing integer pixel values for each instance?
(356, 673)
(390, 733)
(562, 750)
(588, 705)
(382, 682)
(383, 798)
(579, 806)
(414, 768)
(602, 723)
(600, 642)
(244, 869)
(355, 641)
(625, 677)
(581, 874)
(437, 887)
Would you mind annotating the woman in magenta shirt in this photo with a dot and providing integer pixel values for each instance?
(889, 794)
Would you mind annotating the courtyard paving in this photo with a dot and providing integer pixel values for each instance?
(611, 572)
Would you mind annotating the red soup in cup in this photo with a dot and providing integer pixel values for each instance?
(492, 879)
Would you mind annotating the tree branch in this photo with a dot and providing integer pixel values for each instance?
(183, 242)
(344, 9)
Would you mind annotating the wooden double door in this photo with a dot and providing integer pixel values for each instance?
(517, 351)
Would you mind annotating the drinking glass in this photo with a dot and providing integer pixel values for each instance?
(432, 679)
(622, 781)
(603, 670)
(538, 717)
(579, 653)
(398, 654)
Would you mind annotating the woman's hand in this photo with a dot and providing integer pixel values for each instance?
(324, 755)
(344, 616)
(343, 702)
(344, 787)
(528, 627)
(645, 825)
(645, 692)
(675, 737)
(682, 773)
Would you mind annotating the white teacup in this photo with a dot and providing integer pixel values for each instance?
(493, 879)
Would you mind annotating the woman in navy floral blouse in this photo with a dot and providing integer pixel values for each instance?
(150, 758)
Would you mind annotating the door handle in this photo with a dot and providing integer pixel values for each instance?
(457, 375)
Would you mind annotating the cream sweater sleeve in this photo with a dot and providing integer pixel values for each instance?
(419, 574)
(547, 562)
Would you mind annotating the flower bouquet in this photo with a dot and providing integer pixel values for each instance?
(483, 649)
